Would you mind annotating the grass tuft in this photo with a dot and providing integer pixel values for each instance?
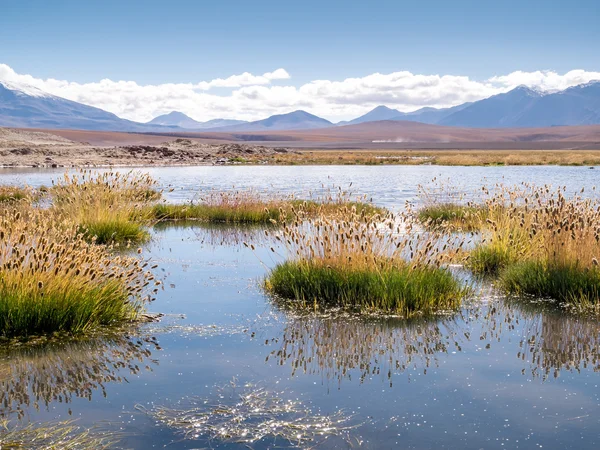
(392, 288)
(109, 207)
(576, 287)
(251, 207)
(364, 262)
(52, 280)
(465, 217)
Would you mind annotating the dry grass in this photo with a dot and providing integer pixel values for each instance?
(543, 243)
(437, 157)
(109, 207)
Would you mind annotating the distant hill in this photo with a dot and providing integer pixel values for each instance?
(29, 107)
(431, 115)
(179, 119)
(423, 115)
(25, 106)
(520, 107)
(525, 107)
(296, 120)
(379, 113)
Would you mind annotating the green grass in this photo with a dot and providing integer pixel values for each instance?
(256, 213)
(396, 289)
(10, 194)
(463, 216)
(53, 280)
(490, 259)
(114, 231)
(73, 308)
(568, 283)
(214, 213)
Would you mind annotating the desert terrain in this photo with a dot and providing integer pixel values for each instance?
(384, 142)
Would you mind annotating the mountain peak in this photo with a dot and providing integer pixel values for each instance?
(25, 89)
(380, 112)
(527, 90)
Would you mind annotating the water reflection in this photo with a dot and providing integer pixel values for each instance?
(342, 348)
(216, 235)
(38, 375)
(550, 341)
(337, 347)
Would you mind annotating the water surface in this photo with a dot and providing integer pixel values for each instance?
(498, 374)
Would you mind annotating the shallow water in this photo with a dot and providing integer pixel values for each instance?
(499, 374)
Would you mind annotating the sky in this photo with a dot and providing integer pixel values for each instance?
(336, 59)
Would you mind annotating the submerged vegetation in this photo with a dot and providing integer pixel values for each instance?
(53, 435)
(251, 414)
(369, 263)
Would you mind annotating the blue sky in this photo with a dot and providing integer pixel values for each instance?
(180, 41)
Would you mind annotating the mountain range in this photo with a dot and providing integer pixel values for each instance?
(180, 120)
(25, 106)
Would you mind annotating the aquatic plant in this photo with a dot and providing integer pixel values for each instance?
(109, 207)
(464, 217)
(544, 244)
(251, 207)
(64, 435)
(365, 262)
(11, 194)
(52, 280)
(250, 415)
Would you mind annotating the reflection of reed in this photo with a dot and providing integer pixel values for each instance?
(334, 347)
(216, 235)
(338, 347)
(58, 371)
(550, 341)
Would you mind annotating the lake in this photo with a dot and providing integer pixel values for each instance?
(499, 374)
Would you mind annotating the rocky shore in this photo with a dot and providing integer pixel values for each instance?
(21, 148)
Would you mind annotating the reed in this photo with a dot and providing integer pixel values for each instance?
(364, 262)
(52, 280)
(463, 217)
(253, 208)
(11, 194)
(544, 243)
(109, 207)
(576, 288)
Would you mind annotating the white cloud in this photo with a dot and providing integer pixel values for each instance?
(546, 80)
(250, 97)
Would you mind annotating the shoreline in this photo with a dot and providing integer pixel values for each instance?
(24, 149)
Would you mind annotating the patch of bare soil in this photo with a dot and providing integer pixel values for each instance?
(22, 148)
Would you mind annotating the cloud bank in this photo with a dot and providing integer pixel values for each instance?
(252, 97)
